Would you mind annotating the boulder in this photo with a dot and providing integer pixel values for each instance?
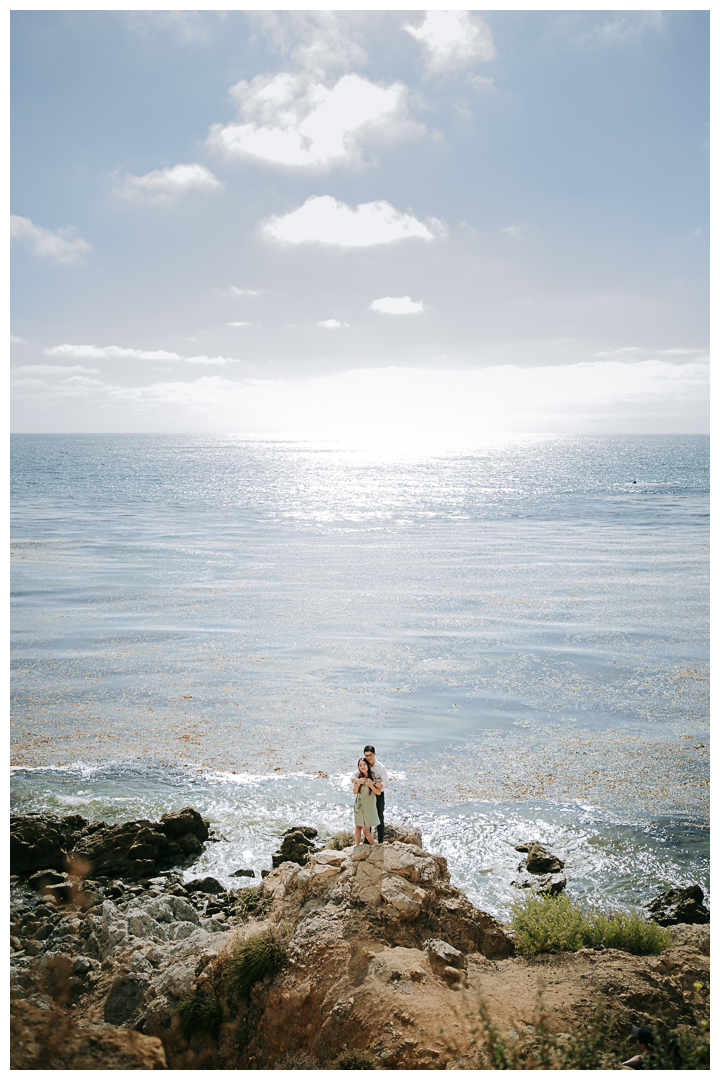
(42, 878)
(406, 834)
(297, 843)
(204, 885)
(42, 841)
(679, 906)
(539, 860)
(243, 873)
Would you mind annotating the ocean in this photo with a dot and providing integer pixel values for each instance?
(520, 627)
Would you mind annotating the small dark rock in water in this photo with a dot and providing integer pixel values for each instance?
(204, 885)
(243, 873)
(679, 906)
(297, 846)
(540, 860)
(42, 878)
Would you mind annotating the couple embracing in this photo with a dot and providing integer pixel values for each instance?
(369, 783)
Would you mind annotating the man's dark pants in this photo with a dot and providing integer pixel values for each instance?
(380, 803)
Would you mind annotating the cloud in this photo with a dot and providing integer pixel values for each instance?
(109, 352)
(481, 82)
(63, 246)
(166, 185)
(293, 121)
(54, 369)
(324, 220)
(511, 230)
(233, 290)
(14, 340)
(453, 39)
(115, 352)
(397, 305)
(239, 324)
(629, 28)
(220, 361)
(318, 41)
(395, 403)
(333, 324)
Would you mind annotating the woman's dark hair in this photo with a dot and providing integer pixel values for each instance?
(369, 770)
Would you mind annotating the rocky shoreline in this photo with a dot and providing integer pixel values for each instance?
(381, 953)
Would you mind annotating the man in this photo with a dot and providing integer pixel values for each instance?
(380, 771)
(645, 1044)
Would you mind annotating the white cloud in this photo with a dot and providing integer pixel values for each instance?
(406, 404)
(63, 246)
(318, 41)
(165, 185)
(511, 230)
(115, 352)
(333, 324)
(453, 39)
(109, 352)
(481, 82)
(219, 361)
(14, 340)
(397, 305)
(291, 120)
(324, 220)
(239, 324)
(233, 290)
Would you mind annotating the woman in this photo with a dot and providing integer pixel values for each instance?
(365, 789)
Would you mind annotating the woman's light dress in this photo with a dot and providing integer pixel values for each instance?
(366, 807)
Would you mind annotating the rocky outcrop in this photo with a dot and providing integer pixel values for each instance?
(50, 1039)
(406, 889)
(384, 955)
(679, 906)
(133, 850)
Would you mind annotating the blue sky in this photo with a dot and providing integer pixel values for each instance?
(410, 222)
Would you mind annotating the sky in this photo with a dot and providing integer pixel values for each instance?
(412, 223)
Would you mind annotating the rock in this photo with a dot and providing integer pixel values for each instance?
(42, 841)
(34, 1043)
(42, 878)
(443, 954)
(540, 861)
(679, 906)
(297, 843)
(544, 885)
(60, 894)
(406, 834)
(204, 885)
(124, 998)
(243, 873)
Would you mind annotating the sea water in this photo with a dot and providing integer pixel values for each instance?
(520, 627)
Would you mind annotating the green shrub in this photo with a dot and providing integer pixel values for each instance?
(341, 840)
(298, 1060)
(550, 924)
(252, 903)
(255, 956)
(354, 1059)
(629, 931)
(547, 924)
(200, 1012)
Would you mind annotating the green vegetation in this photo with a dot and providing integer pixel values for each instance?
(255, 956)
(200, 1012)
(354, 1059)
(603, 1043)
(341, 840)
(551, 924)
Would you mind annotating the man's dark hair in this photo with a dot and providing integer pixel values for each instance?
(369, 749)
